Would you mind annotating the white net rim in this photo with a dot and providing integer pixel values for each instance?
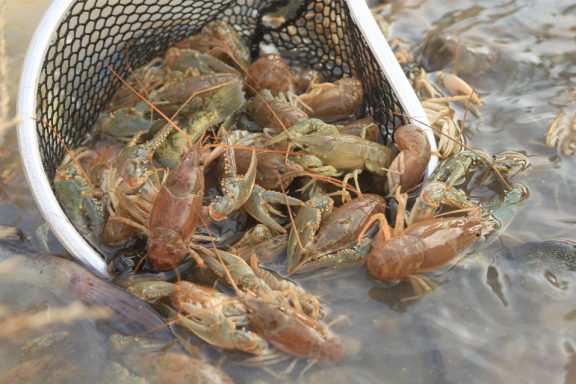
(28, 140)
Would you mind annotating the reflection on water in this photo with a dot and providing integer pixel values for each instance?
(59, 323)
(56, 319)
(499, 316)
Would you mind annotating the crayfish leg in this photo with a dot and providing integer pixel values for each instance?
(384, 227)
(402, 201)
(196, 258)
(352, 175)
(422, 286)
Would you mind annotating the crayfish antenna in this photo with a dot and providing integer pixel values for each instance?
(217, 252)
(290, 215)
(70, 153)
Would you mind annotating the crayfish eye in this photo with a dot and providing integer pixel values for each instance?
(305, 146)
(282, 170)
(201, 162)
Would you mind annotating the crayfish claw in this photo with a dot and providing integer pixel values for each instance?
(258, 206)
(236, 190)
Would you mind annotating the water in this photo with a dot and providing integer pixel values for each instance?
(17, 205)
(493, 318)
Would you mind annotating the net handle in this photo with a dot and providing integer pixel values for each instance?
(377, 43)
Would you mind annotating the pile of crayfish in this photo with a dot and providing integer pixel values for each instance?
(204, 139)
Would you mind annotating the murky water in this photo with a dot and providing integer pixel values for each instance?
(495, 317)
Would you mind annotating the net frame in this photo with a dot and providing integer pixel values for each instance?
(66, 80)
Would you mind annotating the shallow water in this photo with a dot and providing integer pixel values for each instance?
(17, 206)
(493, 318)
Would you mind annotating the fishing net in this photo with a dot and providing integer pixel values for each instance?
(76, 81)
(68, 75)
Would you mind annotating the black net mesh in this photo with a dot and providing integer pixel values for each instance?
(76, 81)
